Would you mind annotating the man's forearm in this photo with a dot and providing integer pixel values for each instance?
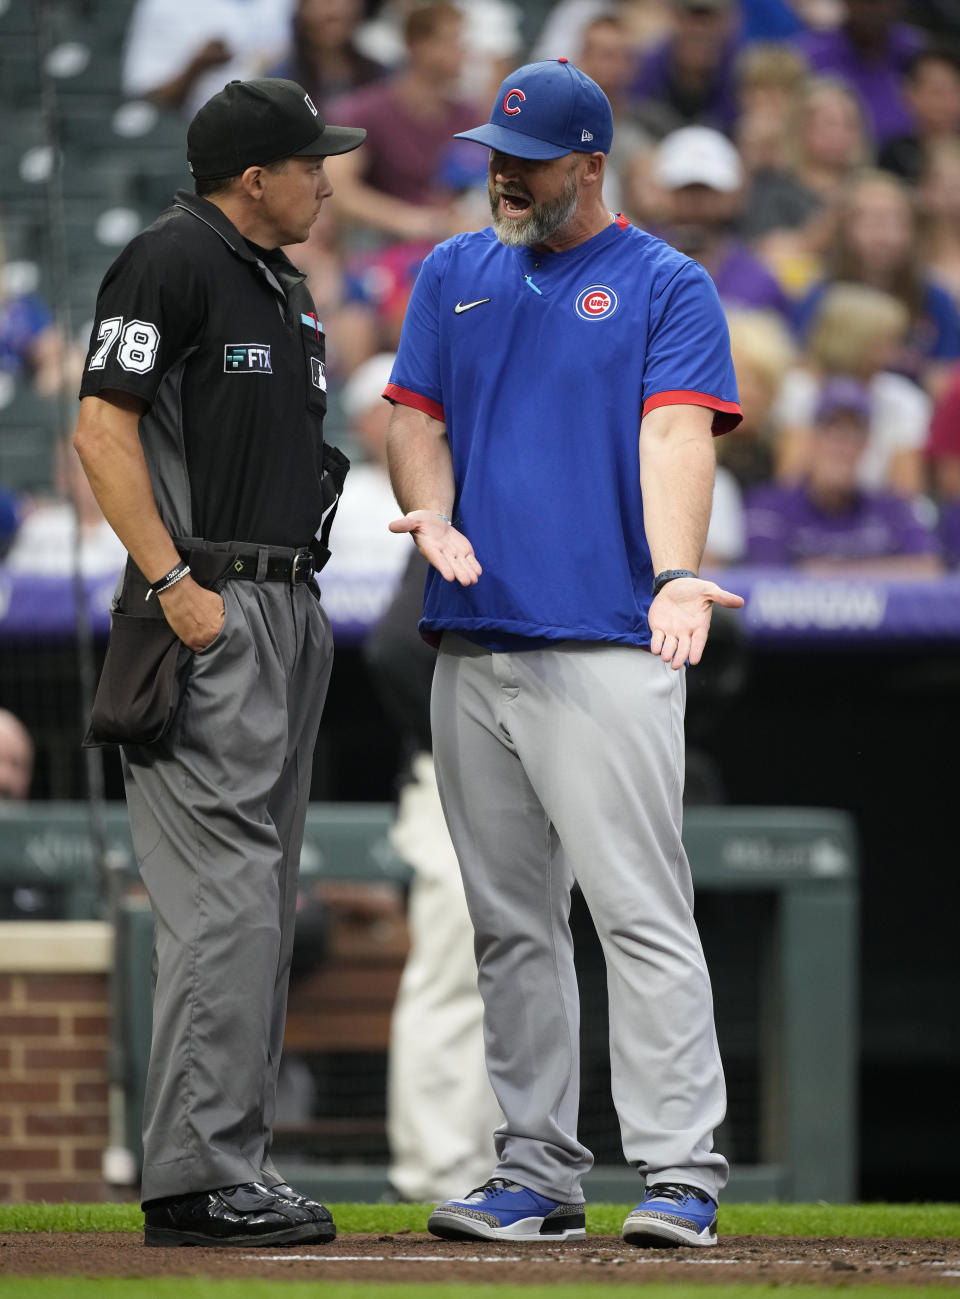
(421, 466)
(677, 463)
(359, 202)
(421, 471)
(107, 441)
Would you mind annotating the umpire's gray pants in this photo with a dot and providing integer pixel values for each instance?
(217, 810)
(566, 764)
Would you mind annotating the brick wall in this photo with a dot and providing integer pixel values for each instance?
(53, 1054)
(54, 1023)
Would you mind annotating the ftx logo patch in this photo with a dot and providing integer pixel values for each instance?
(247, 358)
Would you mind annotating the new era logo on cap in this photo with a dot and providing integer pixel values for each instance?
(545, 110)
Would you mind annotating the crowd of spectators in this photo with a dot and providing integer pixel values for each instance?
(807, 152)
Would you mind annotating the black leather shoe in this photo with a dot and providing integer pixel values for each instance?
(320, 1211)
(250, 1214)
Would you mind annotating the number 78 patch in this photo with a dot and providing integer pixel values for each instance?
(139, 342)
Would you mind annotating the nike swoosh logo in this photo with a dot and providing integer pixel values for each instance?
(461, 307)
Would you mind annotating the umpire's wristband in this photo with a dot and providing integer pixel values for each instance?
(164, 583)
(669, 575)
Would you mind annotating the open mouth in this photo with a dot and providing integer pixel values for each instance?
(514, 205)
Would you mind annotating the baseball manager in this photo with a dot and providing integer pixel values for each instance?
(201, 431)
(557, 387)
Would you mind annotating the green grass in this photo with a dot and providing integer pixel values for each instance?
(923, 1220)
(183, 1288)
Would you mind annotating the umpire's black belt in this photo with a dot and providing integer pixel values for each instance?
(218, 561)
(261, 566)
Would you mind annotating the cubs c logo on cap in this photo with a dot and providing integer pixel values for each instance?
(596, 303)
(509, 108)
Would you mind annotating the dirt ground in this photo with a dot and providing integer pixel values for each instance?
(408, 1256)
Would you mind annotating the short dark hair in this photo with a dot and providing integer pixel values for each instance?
(423, 20)
(941, 53)
(606, 18)
(208, 188)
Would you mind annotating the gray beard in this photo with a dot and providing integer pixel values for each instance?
(542, 220)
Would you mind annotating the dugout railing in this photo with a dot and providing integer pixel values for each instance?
(804, 861)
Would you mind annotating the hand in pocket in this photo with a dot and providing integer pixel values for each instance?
(195, 614)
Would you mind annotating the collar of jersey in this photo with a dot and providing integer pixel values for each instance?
(548, 257)
(211, 216)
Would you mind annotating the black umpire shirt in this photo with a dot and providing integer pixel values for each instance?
(221, 340)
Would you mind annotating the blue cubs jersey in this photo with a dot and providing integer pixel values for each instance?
(542, 365)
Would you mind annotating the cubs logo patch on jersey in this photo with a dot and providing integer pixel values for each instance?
(596, 303)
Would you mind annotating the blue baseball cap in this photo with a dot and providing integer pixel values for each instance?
(544, 110)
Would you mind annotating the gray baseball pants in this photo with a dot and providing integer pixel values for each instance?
(566, 764)
(217, 810)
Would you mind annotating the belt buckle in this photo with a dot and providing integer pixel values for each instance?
(301, 567)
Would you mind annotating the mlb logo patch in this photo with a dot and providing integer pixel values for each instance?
(247, 358)
(596, 303)
(318, 373)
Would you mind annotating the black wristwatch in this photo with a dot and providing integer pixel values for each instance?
(669, 575)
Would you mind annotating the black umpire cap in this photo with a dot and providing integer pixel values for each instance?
(252, 123)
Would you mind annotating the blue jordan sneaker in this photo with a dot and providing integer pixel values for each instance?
(502, 1210)
(672, 1213)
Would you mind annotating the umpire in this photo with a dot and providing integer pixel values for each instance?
(201, 431)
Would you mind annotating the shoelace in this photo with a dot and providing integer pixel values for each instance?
(494, 1187)
(676, 1191)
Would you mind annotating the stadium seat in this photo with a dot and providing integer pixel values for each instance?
(140, 143)
(19, 76)
(22, 231)
(145, 127)
(26, 158)
(104, 180)
(26, 171)
(94, 232)
(25, 459)
(154, 191)
(18, 18)
(80, 66)
(80, 297)
(24, 128)
(28, 427)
